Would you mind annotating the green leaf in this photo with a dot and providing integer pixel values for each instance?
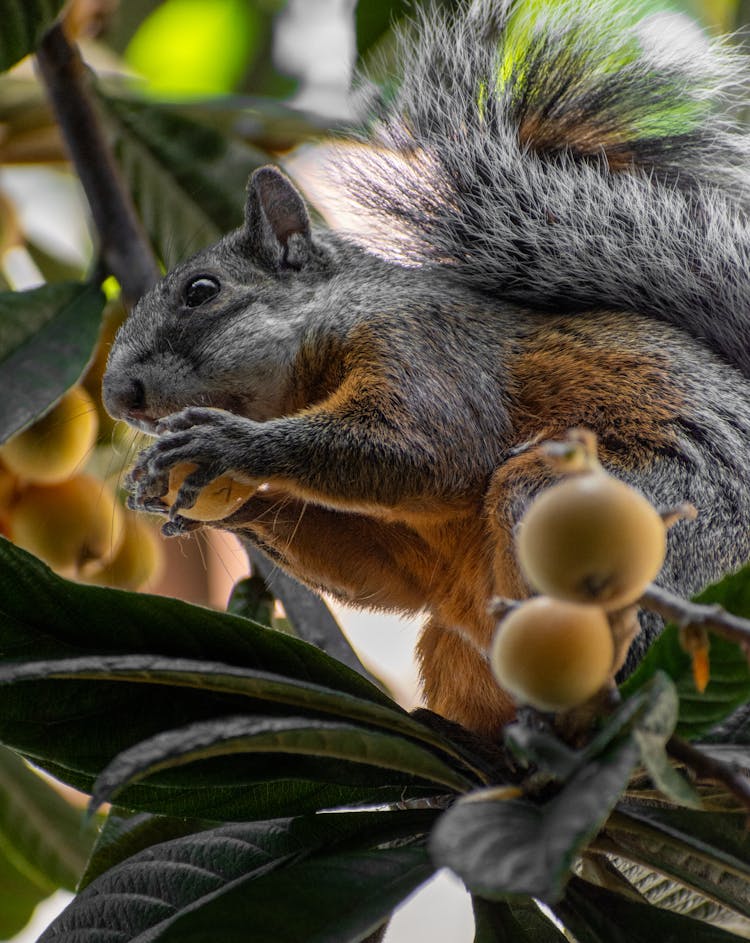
(68, 619)
(187, 180)
(23, 23)
(336, 899)
(242, 878)
(46, 339)
(651, 734)
(126, 833)
(297, 736)
(264, 690)
(252, 599)
(189, 48)
(519, 921)
(709, 853)
(515, 846)
(729, 684)
(596, 915)
(19, 896)
(374, 18)
(41, 834)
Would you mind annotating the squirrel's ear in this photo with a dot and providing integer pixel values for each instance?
(276, 219)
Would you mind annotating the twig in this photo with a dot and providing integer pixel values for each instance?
(124, 245)
(684, 613)
(708, 767)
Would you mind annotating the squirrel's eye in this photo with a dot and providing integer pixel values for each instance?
(199, 290)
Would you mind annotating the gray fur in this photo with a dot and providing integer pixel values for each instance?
(447, 182)
(475, 250)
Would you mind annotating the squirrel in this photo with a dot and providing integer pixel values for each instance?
(546, 228)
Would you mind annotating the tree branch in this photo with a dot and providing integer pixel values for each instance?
(684, 613)
(708, 767)
(124, 245)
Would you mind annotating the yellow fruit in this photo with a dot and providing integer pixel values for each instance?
(113, 317)
(74, 526)
(56, 445)
(552, 654)
(591, 538)
(139, 560)
(222, 497)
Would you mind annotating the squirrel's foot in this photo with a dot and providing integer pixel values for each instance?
(210, 439)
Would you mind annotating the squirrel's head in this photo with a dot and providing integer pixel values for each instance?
(225, 328)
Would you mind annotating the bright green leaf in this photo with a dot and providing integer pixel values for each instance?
(47, 336)
(23, 23)
(189, 47)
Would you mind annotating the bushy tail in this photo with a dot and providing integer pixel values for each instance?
(565, 154)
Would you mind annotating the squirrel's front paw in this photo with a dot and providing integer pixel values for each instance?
(208, 439)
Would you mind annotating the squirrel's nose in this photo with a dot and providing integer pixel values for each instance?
(124, 398)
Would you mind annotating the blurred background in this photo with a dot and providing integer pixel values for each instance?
(234, 83)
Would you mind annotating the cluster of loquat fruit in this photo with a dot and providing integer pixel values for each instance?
(63, 514)
(590, 545)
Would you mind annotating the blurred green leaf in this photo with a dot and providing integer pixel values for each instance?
(189, 47)
(729, 683)
(187, 179)
(41, 834)
(19, 897)
(23, 23)
(47, 336)
(252, 599)
(374, 18)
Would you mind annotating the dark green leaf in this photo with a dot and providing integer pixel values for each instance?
(543, 750)
(246, 876)
(265, 691)
(46, 339)
(68, 619)
(729, 684)
(252, 599)
(708, 853)
(513, 921)
(297, 736)
(41, 833)
(23, 23)
(595, 915)
(126, 833)
(335, 899)
(515, 846)
(374, 18)
(187, 180)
